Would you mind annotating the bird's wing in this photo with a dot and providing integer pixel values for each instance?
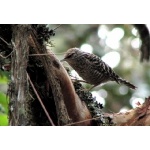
(100, 66)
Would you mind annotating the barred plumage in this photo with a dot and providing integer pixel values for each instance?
(92, 69)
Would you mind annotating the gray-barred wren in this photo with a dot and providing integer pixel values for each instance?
(92, 69)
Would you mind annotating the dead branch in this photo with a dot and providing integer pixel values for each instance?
(139, 116)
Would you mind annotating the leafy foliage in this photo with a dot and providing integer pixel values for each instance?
(3, 109)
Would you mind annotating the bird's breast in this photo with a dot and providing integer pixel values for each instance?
(87, 72)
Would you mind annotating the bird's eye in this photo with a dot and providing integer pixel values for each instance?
(69, 56)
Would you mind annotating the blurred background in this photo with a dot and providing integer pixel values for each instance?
(118, 45)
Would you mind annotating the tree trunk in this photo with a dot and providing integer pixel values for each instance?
(40, 80)
(19, 85)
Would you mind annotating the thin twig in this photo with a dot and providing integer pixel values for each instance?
(57, 27)
(48, 116)
(8, 46)
(5, 41)
(79, 80)
(7, 55)
(44, 54)
(74, 123)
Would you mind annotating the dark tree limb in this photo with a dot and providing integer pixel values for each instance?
(145, 37)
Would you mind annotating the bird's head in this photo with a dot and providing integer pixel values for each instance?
(71, 54)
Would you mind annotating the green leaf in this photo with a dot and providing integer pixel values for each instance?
(3, 120)
(4, 101)
(3, 79)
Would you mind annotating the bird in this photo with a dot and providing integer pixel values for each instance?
(92, 69)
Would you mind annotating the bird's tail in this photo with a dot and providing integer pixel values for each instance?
(122, 81)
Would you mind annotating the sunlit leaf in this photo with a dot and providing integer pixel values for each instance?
(4, 102)
(3, 120)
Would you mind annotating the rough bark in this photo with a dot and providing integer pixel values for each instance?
(23, 99)
(19, 84)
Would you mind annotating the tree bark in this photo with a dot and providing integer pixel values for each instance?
(55, 81)
(19, 85)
